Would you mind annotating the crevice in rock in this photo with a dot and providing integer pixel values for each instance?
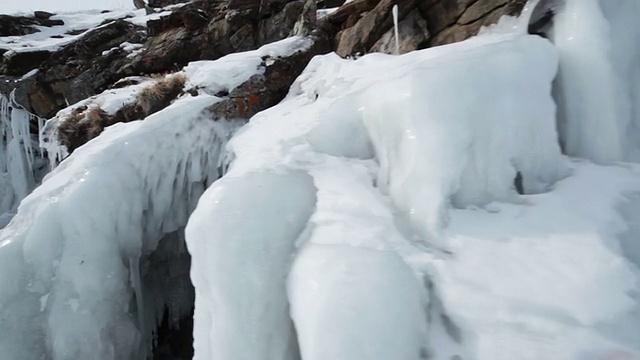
(171, 342)
(168, 298)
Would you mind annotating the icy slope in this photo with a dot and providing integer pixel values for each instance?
(549, 279)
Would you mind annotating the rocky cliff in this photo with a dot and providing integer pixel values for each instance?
(92, 60)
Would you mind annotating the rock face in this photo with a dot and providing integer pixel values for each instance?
(264, 90)
(22, 25)
(207, 30)
(199, 30)
(259, 92)
(366, 25)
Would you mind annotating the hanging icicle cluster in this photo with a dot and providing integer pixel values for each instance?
(21, 158)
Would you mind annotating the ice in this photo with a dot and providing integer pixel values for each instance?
(450, 125)
(598, 80)
(77, 239)
(495, 135)
(109, 101)
(232, 70)
(239, 266)
(20, 158)
(392, 207)
(354, 303)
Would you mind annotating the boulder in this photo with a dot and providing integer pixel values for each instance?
(17, 63)
(477, 16)
(80, 69)
(257, 93)
(265, 90)
(22, 25)
(42, 15)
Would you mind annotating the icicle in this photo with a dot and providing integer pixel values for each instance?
(395, 28)
(18, 153)
(593, 106)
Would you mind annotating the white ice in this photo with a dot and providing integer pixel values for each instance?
(389, 155)
(21, 161)
(77, 238)
(598, 89)
(373, 214)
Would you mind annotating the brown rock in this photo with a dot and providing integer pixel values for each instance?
(442, 14)
(364, 34)
(413, 35)
(19, 63)
(353, 8)
(262, 91)
(480, 9)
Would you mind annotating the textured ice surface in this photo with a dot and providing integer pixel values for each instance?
(70, 257)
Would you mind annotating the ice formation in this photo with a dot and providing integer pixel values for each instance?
(72, 252)
(393, 207)
(20, 158)
(353, 259)
(76, 257)
(598, 83)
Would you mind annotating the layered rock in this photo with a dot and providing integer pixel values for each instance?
(199, 30)
(208, 30)
(23, 25)
(364, 26)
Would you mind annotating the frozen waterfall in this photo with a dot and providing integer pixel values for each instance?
(21, 160)
(71, 256)
(471, 201)
(598, 86)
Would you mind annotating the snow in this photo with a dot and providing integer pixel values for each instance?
(356, 303)
(106, 212)
(25, 6)
(228, 72)
(73, 21)
(545, 276)
(495, 135)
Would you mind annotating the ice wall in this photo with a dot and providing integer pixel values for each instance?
(598, 89)
(20, 157)
(346, 161)
(70, 275)
(242, 237)
(466, 147)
